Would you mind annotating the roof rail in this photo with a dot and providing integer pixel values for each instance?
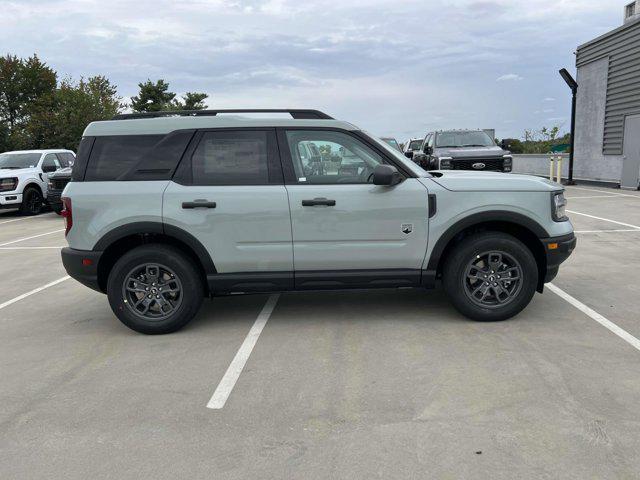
(298, 114)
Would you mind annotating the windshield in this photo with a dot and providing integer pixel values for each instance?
(464, 139)
(19, 160)
(415, 145)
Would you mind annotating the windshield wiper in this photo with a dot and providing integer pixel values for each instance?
(475, 145)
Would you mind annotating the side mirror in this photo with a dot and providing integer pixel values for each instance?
(49, 168)
(386, 175)
(408, 154)
(428, 150)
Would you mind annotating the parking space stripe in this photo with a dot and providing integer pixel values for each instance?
(20, 219)
(608, 231)
(35, 290)
(605, 219)
(608, 324)
(29, 238)
(604, 191)
(32, 248)
(591, 196)
(222, 392)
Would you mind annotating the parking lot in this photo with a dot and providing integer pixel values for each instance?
(375, 384)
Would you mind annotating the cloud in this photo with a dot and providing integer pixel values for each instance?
(509, 77)
(371, 62)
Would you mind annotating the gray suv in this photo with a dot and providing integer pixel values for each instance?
(169, 207)
(462, 150)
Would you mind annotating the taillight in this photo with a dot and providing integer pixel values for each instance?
(67, 214)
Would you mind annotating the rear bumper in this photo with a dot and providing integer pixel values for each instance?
(82, 265)
(557, 250)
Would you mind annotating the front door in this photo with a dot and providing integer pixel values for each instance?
(345, 229)
(229, 194)
(630, 178)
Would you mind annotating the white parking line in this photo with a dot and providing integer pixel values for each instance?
(35, 290)
(29, 238)
(591, 196)
(20, 219)
(220, 396)
(608, 324)
(604, 219)
(30, 248)
(605, 231)
(604, 191)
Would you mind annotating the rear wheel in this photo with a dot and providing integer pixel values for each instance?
(490, 276)
(155, 289)
(31, 202)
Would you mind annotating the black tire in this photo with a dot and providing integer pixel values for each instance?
(460, 282)
(32, 201)
(169, 260)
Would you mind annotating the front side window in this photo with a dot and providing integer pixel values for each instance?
(239, 157)
(50, 163)
(415, 145)
(464, 139)
(66, 159)
(430, 140)
(334, 157)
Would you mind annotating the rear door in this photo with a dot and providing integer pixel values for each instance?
(229, 194)
(345, 229)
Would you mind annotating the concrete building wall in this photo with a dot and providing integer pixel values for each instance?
(589, 160)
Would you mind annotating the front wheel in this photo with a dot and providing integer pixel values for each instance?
(155, 289)
(490, 276)
(32, 202)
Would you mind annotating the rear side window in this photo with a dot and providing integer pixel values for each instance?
(66, 159)
(80, 163)
(113, 156)
(236, 157)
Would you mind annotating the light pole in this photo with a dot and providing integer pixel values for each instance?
(573, 85)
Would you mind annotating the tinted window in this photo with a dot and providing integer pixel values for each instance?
(19, 160)
(234, 157)
(50, 163)
(160, 161)
(66, 159)
(80, 163)
(114, 155)
(335, 157)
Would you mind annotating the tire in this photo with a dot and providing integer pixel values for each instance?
(474, 261)
(170, 310)
(32, 201)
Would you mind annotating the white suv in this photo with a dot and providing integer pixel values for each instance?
(24, 177)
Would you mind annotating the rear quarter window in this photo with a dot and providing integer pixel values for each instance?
(113, 156)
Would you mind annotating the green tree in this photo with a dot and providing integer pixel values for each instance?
(26, 88)
(191, 101)
(75, 106)
(153, 97)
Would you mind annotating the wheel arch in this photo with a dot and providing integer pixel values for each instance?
(33, 184)
(118, 241)
(525, 229)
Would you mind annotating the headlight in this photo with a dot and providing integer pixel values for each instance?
(507, 163)
(8, 184)
(558, 205)
(445, 163)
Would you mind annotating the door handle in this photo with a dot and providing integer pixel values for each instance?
(198, 204)
(319, 202)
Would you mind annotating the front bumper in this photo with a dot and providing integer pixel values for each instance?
(10, 200)
(557, 250)
(82, 265)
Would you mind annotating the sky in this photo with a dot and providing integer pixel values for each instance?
(393, 67)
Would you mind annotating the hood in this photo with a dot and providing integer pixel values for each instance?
(471, 181)
(6, 172)
(464, 152)
(63, 172)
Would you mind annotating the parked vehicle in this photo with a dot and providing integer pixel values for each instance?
(392, 141)
(412, 146)
(463, 150)
(165, 209)
(57, 181)
(24, 177)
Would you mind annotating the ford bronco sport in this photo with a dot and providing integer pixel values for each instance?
(167, 208)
